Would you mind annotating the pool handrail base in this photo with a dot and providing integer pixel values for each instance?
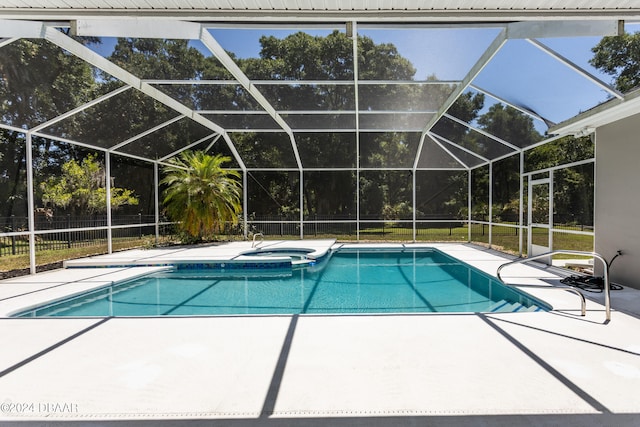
(607, 285)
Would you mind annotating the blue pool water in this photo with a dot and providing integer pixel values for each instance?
(351, 281)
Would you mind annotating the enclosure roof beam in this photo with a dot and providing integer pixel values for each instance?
(527, 148)
(212, 44)
(80, 108)
(234, 151)
(7, 40)
(173, 29)
(306, 25)
(584, 73)
(193, 144)
(520, 108)
(217, 137)
(325, 130)
(441, 145)
(353, 169)
(13, 128)
(92, 147)
(460, 147)
(86, 54)
(18, 29)
(146, 133)
(477, 68)
(419, 151)
(559, 29)
(304, 82)
(483, 132)
(526, 30)
(136, 27)
(314, 112)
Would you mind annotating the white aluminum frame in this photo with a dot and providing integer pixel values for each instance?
(13, 30)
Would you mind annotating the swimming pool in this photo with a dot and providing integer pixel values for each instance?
(346, 281)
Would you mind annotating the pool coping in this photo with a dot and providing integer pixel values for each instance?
(316, 249)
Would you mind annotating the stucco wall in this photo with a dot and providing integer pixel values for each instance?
(617, 198)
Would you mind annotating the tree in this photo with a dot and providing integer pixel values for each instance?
(158, 58)
(562, 151)
(38, 81)
(511, 125)
(200, 194)
(466, 108)
(132, 113)
(431, 192)
(387, 192)
(81, 188)
(619, 56)
(573, 187)
(301, 56)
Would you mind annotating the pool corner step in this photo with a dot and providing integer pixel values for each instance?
(498, 306)
(504, 306)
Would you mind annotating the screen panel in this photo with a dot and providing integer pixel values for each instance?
(436, 53)
(524, 74)
(40, 81)
(388, 149)
(327, 150)
(271, 150)
(114, 120)
(330, 195)
(167, 140)
(13, 187)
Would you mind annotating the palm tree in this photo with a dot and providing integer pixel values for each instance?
(200, 195)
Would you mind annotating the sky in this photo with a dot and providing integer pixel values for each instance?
(447, 53)
(426, 49)
(519, 72)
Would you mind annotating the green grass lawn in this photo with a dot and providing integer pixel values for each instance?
(503, 238)
(43, 257)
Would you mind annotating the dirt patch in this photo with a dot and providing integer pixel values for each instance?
(26, 271)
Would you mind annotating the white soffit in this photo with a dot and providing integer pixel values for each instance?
(433, 10)
(145, 28)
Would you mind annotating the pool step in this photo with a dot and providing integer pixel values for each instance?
(504, 306)
(501, 305)
(302, 263)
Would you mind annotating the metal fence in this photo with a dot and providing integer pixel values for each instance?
(68, 232)
(350, 228)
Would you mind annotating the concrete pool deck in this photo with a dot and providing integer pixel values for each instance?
(504, 369)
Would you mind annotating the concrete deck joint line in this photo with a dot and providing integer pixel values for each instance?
(593, 402)
(36, 291)
(53, 347)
